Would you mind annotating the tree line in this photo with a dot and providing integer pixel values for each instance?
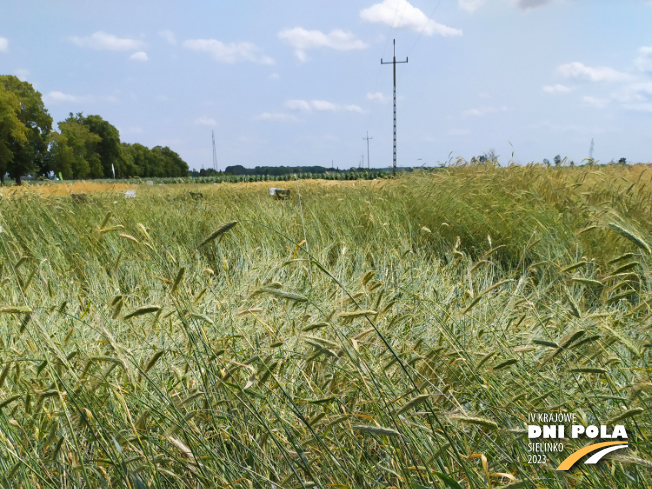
(279, 170)
(84, 146)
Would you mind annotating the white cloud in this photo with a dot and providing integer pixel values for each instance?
(276, 117)
(353, 108)
(233, 52)
(4, 45)
(481, 111)
(104, 41)
(321, 106)
(634, 92)
(401, 14)
(298, 105)
(303, 40)
(558, 88)
(599, 103)
(22, 73)
(471, 5)
(60, 97)
(168, 36)
(581, 72)
(644, 60)
(139, 56)
(639, 107)
(205, 121)
(528, 4)
(377, 97)
(274, 76)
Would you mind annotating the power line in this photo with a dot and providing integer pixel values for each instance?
(394, 63)
(367, 139)
(424, 27)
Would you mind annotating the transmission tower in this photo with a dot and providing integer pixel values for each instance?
(214, 153)
(394, 62)
(367, 139)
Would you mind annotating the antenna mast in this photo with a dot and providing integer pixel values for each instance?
(394, 62)
(214, 153)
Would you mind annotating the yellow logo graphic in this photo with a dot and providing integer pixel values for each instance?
(607, 447)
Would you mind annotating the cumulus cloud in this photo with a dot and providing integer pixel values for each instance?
(4, 45)
(581, 72)
(60, 97)
(302, 40)
(635, 96)
(377, 97)
(233, 52)
(471, 5)
(276, 117)
(104, 41)
(401, 14)
(139, 56)
(481, 111)
(321, 106)
(528, 4)
(168, 36)
(57, 97)
(22, 73)
(298, 105)
(205, 121)
(599, 103)
(644, 60)
(558, 88)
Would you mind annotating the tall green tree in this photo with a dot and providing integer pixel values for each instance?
(144, 160)
(12, 130)
(74, 152)
(170, 162)
(108, 147)
(126, 167)
(28, 156)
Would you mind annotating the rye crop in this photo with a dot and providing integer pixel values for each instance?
(378, 334)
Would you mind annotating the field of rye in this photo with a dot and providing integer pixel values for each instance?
(369, 335)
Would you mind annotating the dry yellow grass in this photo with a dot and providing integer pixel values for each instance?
(78, 187)
(81, 187)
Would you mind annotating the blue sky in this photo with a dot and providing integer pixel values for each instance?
(300, 82)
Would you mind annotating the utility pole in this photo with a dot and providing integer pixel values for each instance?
(394, 62)
(367, 139)
(214, 153)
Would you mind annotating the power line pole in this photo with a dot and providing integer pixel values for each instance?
(394, 62)
(367, 139)
(214, 153)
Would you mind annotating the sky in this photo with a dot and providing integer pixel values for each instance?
(300, 82)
